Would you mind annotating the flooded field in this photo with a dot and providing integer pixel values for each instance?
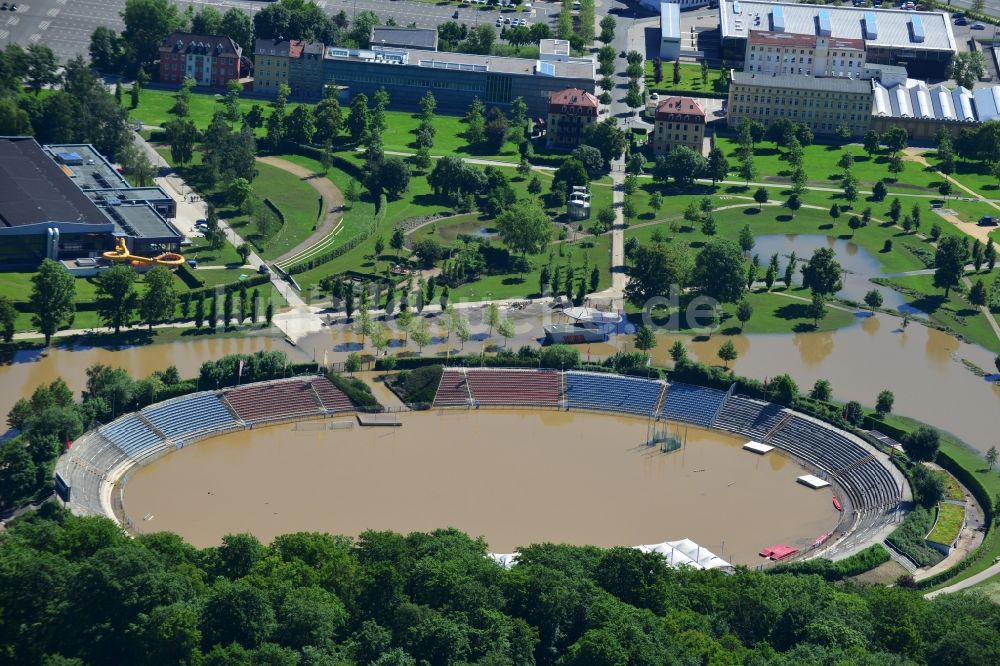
(516, 477)
(28, 369)
(856, 261)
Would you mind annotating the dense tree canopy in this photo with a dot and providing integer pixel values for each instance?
(76, 590)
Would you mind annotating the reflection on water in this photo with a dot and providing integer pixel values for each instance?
(584, 479)
(856, 261)
(31, 368)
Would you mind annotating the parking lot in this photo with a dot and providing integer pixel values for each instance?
(66, 26)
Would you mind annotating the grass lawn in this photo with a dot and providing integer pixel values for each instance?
(779, 220)
(203, 253)
(154, 107)
(690, 80)
(296, 199)
(954, 313)
(949, 523)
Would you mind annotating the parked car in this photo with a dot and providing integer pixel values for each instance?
(193, 263)
(961, 21)
(654, 95)
(958, 15)
(978, 26)
(987, 221)
(263, 269)
(3, 7)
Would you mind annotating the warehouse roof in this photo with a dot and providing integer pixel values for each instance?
(798, 81)
(36, 190)
(413, 38)
(887, 27)
(914, 99)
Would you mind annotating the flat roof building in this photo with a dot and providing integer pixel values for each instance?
(59, 202)
(670, 31)
(923, 42)
(424, 39)
(455, 78)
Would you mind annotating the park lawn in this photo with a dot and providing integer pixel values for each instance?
(954, 312)
(205, 255)
(298, 202)
(974, 175)
(949, 523)
(154, 107)
(401, 130)
(690, 80)
(592, 251)
(820, 164)
(779, 220)
(970, 211)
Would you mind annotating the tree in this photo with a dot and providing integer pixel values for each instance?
(8, 319)
(991, 456)
(873, 299)
(989, 255)
(607, 137)
(475, 131)
(116, 296)
(358, 117)
(727, 352)
(506, 330)
(817, 308)
(822, 273)
(744, 311)
(106, 50)
(821, 390)
(656, 203)
(590, 158)
(834, 212)
(524, 227)
(52, 300)
(392, 177)
(42, 67)
(569, 174)
(656, 269)
(784, 390)
(894, 139)
(684, 165)
(944, 189)
(717, 167)
(761, 197)
(607, 25)
(719, 271)
(966, 68)
(978, 294)
(746, 239)
(879, 191)
(921, 444)
(883, 404)
(147, 24)
(420, 332)
(872, 141)
(301, 125)
(181, 135)
(160, 299)
(949, 263)
(794, 203)
(496, 129)
(747, 170)
(629, 210)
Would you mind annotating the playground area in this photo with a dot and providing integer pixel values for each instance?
(513, 476)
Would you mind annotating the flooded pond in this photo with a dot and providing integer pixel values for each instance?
(451, 232)
(858, 264)
(920, 365)
(514, 476)
(22, 373)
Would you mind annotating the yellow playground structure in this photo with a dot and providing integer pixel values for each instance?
(121, 253)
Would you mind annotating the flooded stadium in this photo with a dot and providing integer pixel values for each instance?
(515, 477)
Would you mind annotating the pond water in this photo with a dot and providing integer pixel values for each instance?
(22, 373)
(859, 265)
(450, 232)
(514, 476)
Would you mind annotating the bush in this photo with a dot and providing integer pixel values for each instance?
(908, 538)
(418, 386)
(359, 393)
(560, 356)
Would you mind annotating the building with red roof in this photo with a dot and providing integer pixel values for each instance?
(571, 110)
(211, 60)
(679, 121)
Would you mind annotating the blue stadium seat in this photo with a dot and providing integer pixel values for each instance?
(612, 393)
(192, 414)
(132, 436)
(692, 404)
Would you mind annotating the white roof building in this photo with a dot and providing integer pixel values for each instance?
(915, 99)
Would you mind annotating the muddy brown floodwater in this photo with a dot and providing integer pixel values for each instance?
(516, 477)
(31, 368)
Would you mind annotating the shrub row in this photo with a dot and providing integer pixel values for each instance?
(858, 563)
(418, 385)
(359, 393)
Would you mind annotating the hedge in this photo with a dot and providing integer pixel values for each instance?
(858, 563)
(908, 538)
(188, 277)
(359, 393)
(275, 210)
(350, 168)
(232, 287)
(418, 385)
(352, 243)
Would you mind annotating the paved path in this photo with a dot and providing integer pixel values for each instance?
(975, 579)
(333, 203)
(618, 277)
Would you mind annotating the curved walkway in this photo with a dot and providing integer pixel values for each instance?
(333, 203)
